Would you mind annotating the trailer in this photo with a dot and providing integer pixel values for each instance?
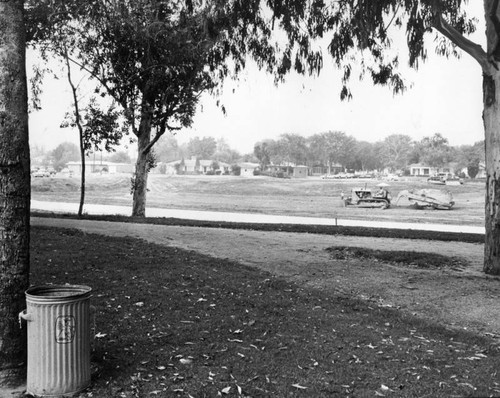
(428, 198)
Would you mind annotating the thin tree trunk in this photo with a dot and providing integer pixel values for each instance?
(140, 182)
(78, 121)
(14, 192)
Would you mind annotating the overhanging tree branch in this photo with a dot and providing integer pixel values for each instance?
(470, 47)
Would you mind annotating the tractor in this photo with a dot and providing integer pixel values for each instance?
(364, 197)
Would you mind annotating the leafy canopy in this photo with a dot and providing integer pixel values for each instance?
(165, 53)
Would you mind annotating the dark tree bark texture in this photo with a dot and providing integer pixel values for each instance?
(14, 191)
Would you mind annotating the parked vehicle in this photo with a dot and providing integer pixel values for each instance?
(428, 198)
(391, 177)
(67, 172)
(436, 180)
(445, 179)
(41, 173)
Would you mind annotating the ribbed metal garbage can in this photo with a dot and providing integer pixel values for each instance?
(58, 318)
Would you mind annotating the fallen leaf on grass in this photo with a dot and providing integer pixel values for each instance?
(299, 387)
(226, 390)
(100, 335)
(467, 385)
(385, 388)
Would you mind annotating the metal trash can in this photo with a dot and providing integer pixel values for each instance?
(58, 318)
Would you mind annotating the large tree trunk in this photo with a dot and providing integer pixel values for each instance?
(140, 181)
(491, 117)
(14, 192)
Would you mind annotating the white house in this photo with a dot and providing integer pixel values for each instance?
(418, 169)
(247, 169)
(193, 166)
(300, 171)
(98, 166)
(422, 170)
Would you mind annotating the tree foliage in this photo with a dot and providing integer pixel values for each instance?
(155, 58)
(168, 149)
(435, 151)
(64, 153)
(395, 151)
(202, 148)
(120, 157)
(225, 153)
(261, 151)
(366, 157)
(470, 157)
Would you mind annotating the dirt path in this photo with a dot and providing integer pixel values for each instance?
(466, 298)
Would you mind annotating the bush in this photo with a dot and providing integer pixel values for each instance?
(236, 170)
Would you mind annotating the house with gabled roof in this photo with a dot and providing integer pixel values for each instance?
(247, 169)
(194, 166)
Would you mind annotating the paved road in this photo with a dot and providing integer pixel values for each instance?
(248, 218)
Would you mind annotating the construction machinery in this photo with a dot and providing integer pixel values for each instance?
(428, 198)
(364, 197)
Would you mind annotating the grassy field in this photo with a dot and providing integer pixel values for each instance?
(312, 197)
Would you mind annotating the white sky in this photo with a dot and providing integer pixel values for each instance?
(446, 98)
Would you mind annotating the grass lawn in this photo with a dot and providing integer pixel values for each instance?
(309, 197)
(175, 323)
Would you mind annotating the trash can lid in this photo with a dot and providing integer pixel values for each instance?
(57, 292)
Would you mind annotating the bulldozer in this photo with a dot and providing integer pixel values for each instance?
(364, 197)
(428, 198)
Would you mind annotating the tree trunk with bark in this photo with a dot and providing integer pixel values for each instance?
(78, 121)
(14, 192)
(140, 181)
(489, 62)
(491, 119)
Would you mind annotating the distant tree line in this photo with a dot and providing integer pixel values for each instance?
(68, 152)
(167, 150)
(396, 152)
(208, 148)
